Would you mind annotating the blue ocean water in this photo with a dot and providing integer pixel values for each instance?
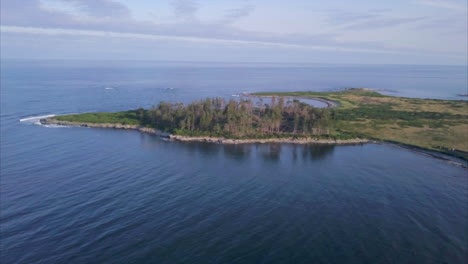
(81, 195)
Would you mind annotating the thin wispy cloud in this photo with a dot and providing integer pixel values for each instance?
(233, 15)
(369, 20)
(109, 34)
(185, 9)
(445, 4)
(383, 23)
(343, 17)
(94, 8)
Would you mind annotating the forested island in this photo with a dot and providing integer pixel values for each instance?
(360, 115)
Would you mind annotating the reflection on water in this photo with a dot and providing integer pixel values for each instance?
(195, 148)
(317, 152)
(267, 151)
(238, 151)
(270, 152)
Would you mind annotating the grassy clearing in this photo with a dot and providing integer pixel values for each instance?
(125, 118)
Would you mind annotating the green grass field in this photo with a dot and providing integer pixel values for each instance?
(125, 118)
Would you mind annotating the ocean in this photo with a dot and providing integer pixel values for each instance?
(84, 195)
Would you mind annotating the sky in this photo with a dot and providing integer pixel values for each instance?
(294, 31)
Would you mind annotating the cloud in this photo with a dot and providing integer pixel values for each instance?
(342, 17)
(233, 15)
(108, 34)
(372, 19)
(60, 6)
(458, 26)
(381, 10)
(34, 16)
(383, 23)
(108, 18)
(95, 8)
(65, 13)
(185, 9)
(103, 8)
(444, 4)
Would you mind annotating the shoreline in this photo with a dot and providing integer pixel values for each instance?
(268, 140)
(208, 139)
(451, 159)
(220, 140)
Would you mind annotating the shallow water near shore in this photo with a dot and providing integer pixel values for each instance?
(90, 195)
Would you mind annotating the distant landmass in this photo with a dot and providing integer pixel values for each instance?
(355, 115)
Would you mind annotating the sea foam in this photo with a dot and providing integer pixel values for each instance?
(36, 120)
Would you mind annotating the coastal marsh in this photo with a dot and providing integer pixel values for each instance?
(440, 125)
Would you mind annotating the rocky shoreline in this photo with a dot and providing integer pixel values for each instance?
(53, 121)
(219, 140)
(269, 140)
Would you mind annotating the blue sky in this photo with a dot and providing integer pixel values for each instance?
(306, 31)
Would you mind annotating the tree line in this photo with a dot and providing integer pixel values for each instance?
(218, 117)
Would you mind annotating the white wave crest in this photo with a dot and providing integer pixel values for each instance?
(36, 120)
(32, 119)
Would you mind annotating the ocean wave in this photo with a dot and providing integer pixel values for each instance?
(36, 120)
(32, 119)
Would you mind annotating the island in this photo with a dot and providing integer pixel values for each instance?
(355, 115)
